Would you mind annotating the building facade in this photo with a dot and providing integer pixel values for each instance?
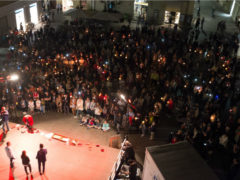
(15, 14)
(231, 8)
(170, 12)
(235, 9)
(151, 11)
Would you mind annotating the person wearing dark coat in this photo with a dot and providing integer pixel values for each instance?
(129, 152)
(26, 162)
(4, 115)
(41, 157)
(152, 130)
(132, 170)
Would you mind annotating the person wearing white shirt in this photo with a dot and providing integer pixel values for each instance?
(9, 154)
(38, 105)
(79, 106)
(97, 111)
(31, 105)
(87, 106)
(72, 104)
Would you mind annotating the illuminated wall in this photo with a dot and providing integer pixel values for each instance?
(226, 5)
(236, 10)
(8, 17)
(67, 4)
(124, 7)
(156, 10)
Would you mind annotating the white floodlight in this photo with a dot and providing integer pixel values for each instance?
(14, 77)
(123, 97)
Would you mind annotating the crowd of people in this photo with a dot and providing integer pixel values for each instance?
(78, 78)
(212, 116)
(130, 77)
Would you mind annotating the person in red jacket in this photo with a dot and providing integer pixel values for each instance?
(170, 104)
(28, 121)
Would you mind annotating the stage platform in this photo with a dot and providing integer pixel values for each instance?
(65, 161)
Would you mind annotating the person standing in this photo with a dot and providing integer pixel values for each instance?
(21, 27)
(87, 106)
(53, 101)
(118, 122)
(26, 163)
(38, 105)
(53, 15)
(59, 103)
(58, 8)
(170, 19)
(72, 105)
(4, 114)
(202, 22)
(43, 106)
(31, 106)
(65, 104)
(152, 130)
(47, 99)
(23, 104)
(198, 12)
(143, 128)
(213, 11)
(92, 107)
(79, 106)
(97, 111)
(41, 157)
(197, 23)
(9, 154)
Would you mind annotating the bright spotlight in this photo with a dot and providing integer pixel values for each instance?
(14, 77)
(123, 97)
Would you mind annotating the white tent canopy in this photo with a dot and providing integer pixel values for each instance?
(174, 162)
